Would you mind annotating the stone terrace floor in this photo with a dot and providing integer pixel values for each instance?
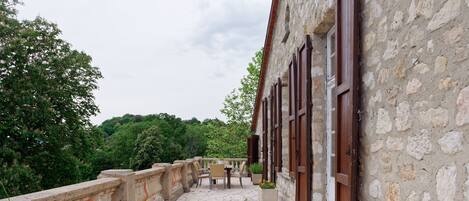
(236, 193)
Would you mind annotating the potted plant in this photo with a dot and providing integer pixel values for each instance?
(268, 192)
(256, 173)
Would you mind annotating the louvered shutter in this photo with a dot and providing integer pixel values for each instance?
(264, 139)
(272, 134)
(347, 83)
(278, 125)
(304, 156)
(292, 105)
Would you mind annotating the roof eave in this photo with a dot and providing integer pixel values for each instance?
(265, 61)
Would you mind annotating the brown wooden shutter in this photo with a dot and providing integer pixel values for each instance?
(272, 134)
(346, 95)
(304, 156)
(292, 105)
(264, 139)
(278, 125)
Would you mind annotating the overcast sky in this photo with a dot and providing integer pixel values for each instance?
(179, 56)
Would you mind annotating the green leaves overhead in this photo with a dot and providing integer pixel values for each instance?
(239, 104)
(46, 99)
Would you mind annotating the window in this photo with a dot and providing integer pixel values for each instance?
(331, 113)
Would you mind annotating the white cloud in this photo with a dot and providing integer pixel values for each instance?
(180, 57)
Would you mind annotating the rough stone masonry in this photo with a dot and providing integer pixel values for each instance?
(414, 112)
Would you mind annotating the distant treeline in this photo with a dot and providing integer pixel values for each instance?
(135, 141)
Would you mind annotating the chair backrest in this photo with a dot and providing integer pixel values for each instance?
(241, 168)
(217, 170)
(197, 167)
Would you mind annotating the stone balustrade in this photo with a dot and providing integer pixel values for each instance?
(162, 182)
(234, 162)
(100, 189)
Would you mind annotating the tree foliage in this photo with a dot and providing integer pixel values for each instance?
(148, 148)
(239, 104)
(46, 100)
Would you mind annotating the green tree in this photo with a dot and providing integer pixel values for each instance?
(148, 148)
(46, 99)
(227, 141)
(230, 140)
(238, 105)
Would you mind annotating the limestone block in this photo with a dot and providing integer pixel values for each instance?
(317, 196)
(449, 11)
(402, 116)
(418, 145)
(369, 80)
(400, 69)
(412, 11)
(393, 192)
(374, 189)
(317, 181)
(376, 146)
(413, 86)
(383, 75)
(391, 50)
(386, 162)
(466, 184)
(426, 196)
(394, 143)
(446, 183)
(407, 172)
(462, 105)
(430, 46)
(413, 196)
(382, 32)
(436, 117)
(397, 21)
(451, 142)
(441, 64)
(425, 8)
(454, 35)
(447, 83)
(421, 68)
(384, 123)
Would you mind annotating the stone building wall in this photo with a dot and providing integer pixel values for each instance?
(414, 112)
(306, 17)
(415, 100)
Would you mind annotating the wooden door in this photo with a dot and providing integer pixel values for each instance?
(254, 149)
(250, 153)
(264, 139)
(346, 95)
(303, 141)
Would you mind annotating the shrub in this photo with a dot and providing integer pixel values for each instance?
(267, 185)
(256, 168)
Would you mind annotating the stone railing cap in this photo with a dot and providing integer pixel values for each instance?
(71, 192)
(149, 172)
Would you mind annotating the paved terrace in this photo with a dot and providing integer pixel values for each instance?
(217, 193)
